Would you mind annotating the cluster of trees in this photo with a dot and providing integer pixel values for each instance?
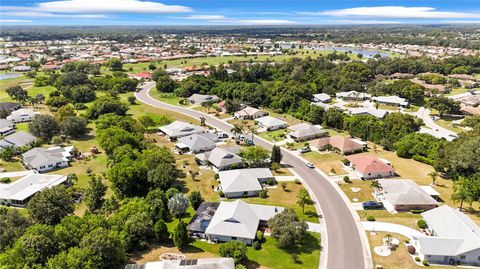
(19, 94)
(444, 105)
(65, 122)
(414, 93)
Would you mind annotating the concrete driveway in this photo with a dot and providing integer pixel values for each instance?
(375, 226)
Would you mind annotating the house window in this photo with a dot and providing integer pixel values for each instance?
(462, 257)
(234, 238)
(43, 166)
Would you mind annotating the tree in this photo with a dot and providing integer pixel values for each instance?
(73, 126)
(129, 178)
(165, 84)
(236, 250)
(94, 194)
(103, 249)
(51, 205)
(195, 199)
(115, 64)
(255, 156)
(137, 231)
(131, 100)
(146, 121)
(158, 202)
(304, 199)
(162, 176)
(444, 105)
(465, 190)
(104, 105)
(236, 130)
(44, 126)
(180, 236)
(12, 226)
(433, 175)
(287, 229)
(64, 112)
(178, 205)
(17, 93)
(160, 230)
(8, 153)
(276, 156)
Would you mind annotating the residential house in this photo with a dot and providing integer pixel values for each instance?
(305, 131)
(239, 221)
(202, 263)
(404, 195)
(179, 129)
(455, 238)
(17, 140)
(353, 96)
(270, 123)
(224, 158)
(322, 97)
(378, 113)
(21, 68)
(368, 166)
(201, 99)
(243, 182)
(9, 106)
(197, 143)
(43, 160)
(19, 192)
(249, 113)
(21, 115)
(143, 75)
(391, 101)
(6, 127)
(345, 145)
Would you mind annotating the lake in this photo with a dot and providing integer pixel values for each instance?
(9, 75)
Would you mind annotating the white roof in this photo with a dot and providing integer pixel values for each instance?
(322, 97)
(196, 142)
(455, 232)
(269, 121)
(405, 192)
(391, 99)
(22, 111)
(240, 180)
(304, 129)
(28, 185)
(379, 113)
(239, 219)
(430, 191)
(353, 94)
(248, 111)
(222, 157)
(204, 263)
(180, 128)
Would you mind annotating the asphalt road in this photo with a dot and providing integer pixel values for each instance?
(345, 249)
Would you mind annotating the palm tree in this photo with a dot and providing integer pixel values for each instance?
(202, 121)
(375, 184)
(253, 131)
(236, 130)
(434, 174)
(304, 199)
(462, 191)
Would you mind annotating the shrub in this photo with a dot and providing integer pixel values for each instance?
(131, 99)
(371, 218)
(417, 211)
(295, 258)
(234, 249)
(407, 241)
(259, 236)
(346, 162)
(346, 179)
(284, 186)
(5, 180)
(411, 250)
(263, 194)
(270, 181)
(80, 106)
(221, 194)
(425, 263)
(417, 259)
(422, 224)
(297, 181)
(256, 245)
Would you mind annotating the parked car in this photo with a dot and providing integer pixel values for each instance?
(372, 205)
(305, 150)
(310, 165)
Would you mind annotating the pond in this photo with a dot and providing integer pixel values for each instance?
(9, 75)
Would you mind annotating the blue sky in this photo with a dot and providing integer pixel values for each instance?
(235, 12)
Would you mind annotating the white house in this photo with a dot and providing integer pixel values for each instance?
(455, 238)
(322, 97)
(391, 100)
(197, 143)
(353, 96)
(6, 127)
(243, 182)
(19, 192)
(270, 123)
(203, 263)
(249, 113)
(21, 115)
(305, 131)
(179, 129)
(239, 221)
(43, 160)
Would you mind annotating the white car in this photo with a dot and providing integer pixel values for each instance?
(310, 165)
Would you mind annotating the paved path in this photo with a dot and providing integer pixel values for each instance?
(344, 245)
(314, 227)
(375, 226)
(16, 174)
(435, 129)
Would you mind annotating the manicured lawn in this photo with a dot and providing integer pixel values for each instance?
(282, 172)
(399, 258)
(448, 125)
(274, 136)
(46, 90)
(387, 107)
(326, 162)
(169, 98)
(364, 193)
(11, 166)
(404, 218)
(456, 91)
(285, 117)
(412, 108)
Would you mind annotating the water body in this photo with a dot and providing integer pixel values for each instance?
(9, 75)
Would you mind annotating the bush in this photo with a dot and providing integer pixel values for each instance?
(221, 194)
(284, 186)
(297, 181)
(422, 224)
(80, 106)
(263, 194)
(296, 258)
(411, 250)
(371, 218)
(256, 245)
(346, 162)
(234, 249)
(425, 263)
(417, 259)
(5, 180)
(270, 181)
(131, 99)
(260, 236)
(346, 179)
(417, 211)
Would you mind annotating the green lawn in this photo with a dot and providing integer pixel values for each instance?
(327, 162)
(274, 136)
(169, 98)
(387, 107)
(458, 90)
(11, 166)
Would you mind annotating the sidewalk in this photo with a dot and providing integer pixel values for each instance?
(391, 228)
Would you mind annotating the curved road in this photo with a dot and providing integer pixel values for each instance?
(344, 245)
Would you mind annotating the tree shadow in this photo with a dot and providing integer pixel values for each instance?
(308, 244)
(311, 214)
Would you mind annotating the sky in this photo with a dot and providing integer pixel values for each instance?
(237, 12)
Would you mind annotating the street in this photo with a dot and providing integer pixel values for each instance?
(345, 248)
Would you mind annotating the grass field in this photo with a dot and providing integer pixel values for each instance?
(404, 218)
(169, 98)
(326, 162)
(274, 136)
(11, 166)
(364, 193)
(456, 91)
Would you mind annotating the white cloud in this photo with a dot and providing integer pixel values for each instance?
(399, 12)
(205, 17)
(463, 22)
(265, 22)
(361, 22)
(54, 15)
(221, 19)
(14, 21)
(102, 6)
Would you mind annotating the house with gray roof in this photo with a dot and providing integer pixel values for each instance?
(249, 113)
(455, 238)
(43, 160)
(200, 99)
(197, 143)
(223, 159)
(9, 106)
(378, 113)
(239, 221)
(19, 192)
(322, 97)
(6, 127)
(306, 131)
(203, 263)
(404, 195)
(179, 129)
(270, 123)
(243, 182)
(17, 140)
(391, 101)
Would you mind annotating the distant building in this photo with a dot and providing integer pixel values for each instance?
(378, 113)
(353, 96)
(322, 97)
(6, 127)
(17, 140)
(200, 99)
(21, 115)
(391, 101)
(345, 145)
(368, 166)
(21, 68)
(143, 75)
(9, 106)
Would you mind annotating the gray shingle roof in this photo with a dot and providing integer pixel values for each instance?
(18, 139)
(405, 192)
(180, 128)
(220, 157)
(197, 142)
(241, 180)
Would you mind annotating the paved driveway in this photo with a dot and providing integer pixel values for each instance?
(344, 245)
